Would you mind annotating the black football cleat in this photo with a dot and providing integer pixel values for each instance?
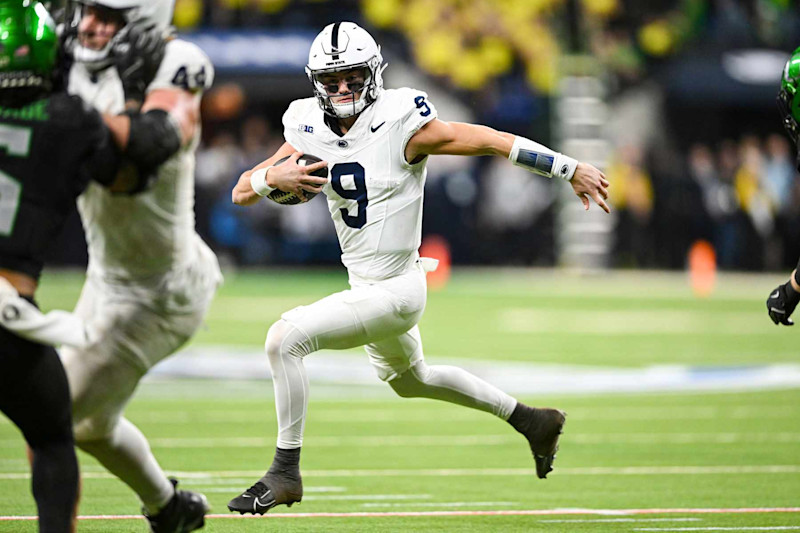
(185, 512)
(543, 429)
(269, 491)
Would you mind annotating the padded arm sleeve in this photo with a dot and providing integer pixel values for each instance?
(154, 138)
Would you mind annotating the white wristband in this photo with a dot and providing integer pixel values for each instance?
(258, 181)
(537, 158)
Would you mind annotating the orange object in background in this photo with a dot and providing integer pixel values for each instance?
(702, 268)
(437, 247)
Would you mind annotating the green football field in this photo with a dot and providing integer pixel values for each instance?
(685, 456)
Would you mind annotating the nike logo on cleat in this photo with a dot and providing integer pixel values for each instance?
(774, 294)
(376, 128)
(265, 505)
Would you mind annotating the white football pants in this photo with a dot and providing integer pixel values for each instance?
(135, 327)
(382, 316)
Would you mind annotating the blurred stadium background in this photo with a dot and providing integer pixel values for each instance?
(674, 99)
(648, 325)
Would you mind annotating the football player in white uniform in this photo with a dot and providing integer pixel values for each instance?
(376, 143)
(150, 278)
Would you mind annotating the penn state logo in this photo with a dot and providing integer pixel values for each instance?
(564, 170)
(342, 144)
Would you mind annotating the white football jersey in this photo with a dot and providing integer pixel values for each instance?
(146, 234)
(374, 195)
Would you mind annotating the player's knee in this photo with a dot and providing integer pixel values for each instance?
(91, 430)
(411, 383)
(402, 387)
(285, 340)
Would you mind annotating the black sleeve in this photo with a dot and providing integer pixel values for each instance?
(103, 160)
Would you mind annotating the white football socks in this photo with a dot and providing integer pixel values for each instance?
(126, 454)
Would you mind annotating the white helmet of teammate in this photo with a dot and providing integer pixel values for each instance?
(156, 13)
(339, 47)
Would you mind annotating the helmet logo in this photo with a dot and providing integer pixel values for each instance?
(339, 42)
(22, 51)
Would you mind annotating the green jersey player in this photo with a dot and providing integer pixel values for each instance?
(784, 298)
(51, 147)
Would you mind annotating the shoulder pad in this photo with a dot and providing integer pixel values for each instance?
(410, 107)
(298, 111)
(185, 66)
(298, 115)
(402, 104)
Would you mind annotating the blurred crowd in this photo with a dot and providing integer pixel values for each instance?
(741, 196)
(524, 39)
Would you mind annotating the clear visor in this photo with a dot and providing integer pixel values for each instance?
(342, 85)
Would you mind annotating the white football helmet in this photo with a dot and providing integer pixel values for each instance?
(156, 13)
(340, 47)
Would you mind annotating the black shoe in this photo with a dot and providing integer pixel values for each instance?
(268, 492)
(543, 429)
(185, 512)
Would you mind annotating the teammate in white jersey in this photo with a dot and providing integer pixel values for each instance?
(150, 278)
(375, 143)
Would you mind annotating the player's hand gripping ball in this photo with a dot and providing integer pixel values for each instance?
(289, 198)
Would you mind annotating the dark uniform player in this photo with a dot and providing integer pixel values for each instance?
(784, 298)
(51, 145)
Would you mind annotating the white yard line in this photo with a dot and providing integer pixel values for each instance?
(478, 472)
(719, 528)
(470, 440)
(442, 504)
(520, 512)
(622, 520)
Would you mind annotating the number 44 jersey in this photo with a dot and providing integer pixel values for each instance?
(374, 194)
(150, 233)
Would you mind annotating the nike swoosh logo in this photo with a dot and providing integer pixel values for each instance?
(376, 128)
(269, 503)
(775, 294)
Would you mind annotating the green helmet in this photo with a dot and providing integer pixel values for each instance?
(28, 49)
(789, 95)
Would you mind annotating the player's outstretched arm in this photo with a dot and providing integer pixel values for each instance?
(458, 138)
(257, 182)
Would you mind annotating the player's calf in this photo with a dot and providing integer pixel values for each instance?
(542, 427)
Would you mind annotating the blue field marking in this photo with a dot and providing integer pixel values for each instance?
(352, 368)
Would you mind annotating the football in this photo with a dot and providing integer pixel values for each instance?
(289, 198)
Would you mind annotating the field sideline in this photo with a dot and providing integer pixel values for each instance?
(657, 461)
